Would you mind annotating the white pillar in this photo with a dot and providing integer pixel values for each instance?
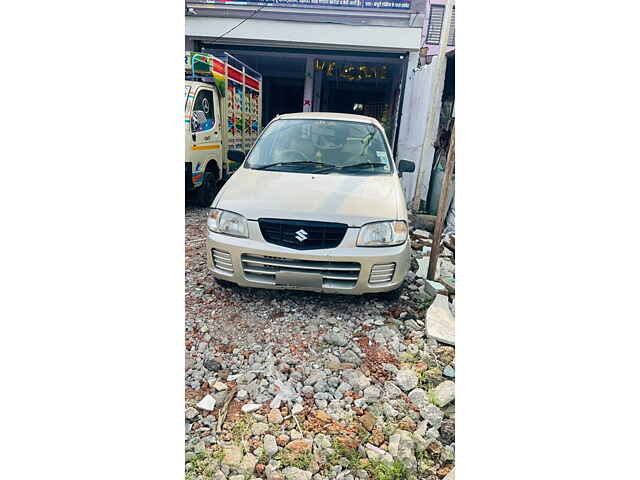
(308, 86)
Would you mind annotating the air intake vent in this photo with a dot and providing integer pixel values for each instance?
(222, 261)
(382, 273)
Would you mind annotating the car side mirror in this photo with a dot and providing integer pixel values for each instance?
(236, 156)
(406, 166)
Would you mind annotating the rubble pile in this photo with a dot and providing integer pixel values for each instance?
(301, 386)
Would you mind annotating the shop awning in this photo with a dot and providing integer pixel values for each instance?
(304, 34)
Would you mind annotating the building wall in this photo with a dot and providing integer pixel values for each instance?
(417, 101)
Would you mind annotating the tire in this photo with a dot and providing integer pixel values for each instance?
(203, 196)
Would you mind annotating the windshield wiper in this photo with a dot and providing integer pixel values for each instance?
(277, 164)
(363, 164)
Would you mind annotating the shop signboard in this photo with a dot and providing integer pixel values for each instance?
(359, 4)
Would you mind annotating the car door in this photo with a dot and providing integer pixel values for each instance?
(205, 132)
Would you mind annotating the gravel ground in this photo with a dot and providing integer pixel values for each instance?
(308, 385)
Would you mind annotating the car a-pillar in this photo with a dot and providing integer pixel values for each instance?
(205, 193)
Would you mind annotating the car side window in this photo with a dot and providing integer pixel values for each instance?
(203, 116)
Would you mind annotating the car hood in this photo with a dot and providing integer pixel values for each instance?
(351, 199)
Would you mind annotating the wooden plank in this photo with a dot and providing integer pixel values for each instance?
(442, 207)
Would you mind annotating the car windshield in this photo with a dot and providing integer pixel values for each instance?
(321, 146)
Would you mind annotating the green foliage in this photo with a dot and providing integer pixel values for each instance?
(241, 427)
(379, 470)
(203, 463)
(340, 452)
(300, 460)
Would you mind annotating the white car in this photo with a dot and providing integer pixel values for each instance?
(317, 205)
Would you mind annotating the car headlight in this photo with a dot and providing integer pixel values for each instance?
(228, 223)
(383, 234)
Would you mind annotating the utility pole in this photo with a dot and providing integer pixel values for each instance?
(437, 86)
(442, 207)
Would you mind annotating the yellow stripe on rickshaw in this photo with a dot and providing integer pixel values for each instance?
(204, 147)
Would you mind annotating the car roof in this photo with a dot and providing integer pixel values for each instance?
(330, 116)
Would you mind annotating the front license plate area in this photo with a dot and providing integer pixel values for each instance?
(311, 281)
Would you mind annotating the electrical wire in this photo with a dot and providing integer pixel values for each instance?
(232, 29)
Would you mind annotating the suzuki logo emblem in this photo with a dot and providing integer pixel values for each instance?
(301, 235)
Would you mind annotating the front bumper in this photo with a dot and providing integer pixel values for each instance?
(346, 269)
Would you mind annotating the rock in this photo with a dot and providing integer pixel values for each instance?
(251, 407)
(423, 267)
(207, 403)
(259, 428)
(212, 365)
(248, 464)
(270, 445)
(282, 440)
(190, 413)
(449, 284)
(433, 376)
(232, 456)
(372, 394)
(313, 379)
(391, 368)
(432, 415)
(448, 431)
(451, 475)
(242, 395)
(391, 391)
(401, 446)
(444, 393)
(406, 379)
(220, 387)
(349, 356)
(300, 446)
(297, 408)
(294, 473)
(357, 379)
(220, 397)
(407, 424)
(389, 411)
(446, 354)
(337, 337)
(236, 477)
(377, 454)
(271, 472)
(413, 325)
(377, 437)
(440, 323)
(322, 416)
(418, 397)
(434, 288)
(275, 416)
(362, 475)
(368, 420)
(449, 372)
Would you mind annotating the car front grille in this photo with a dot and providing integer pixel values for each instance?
(302, 235)
(263, 269)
